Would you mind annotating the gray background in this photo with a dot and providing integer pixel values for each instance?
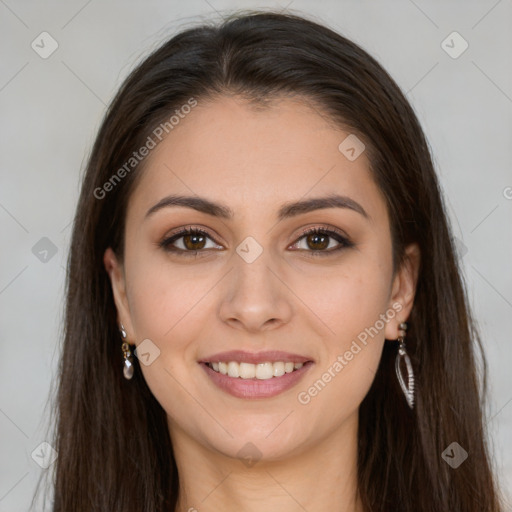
(51, 109)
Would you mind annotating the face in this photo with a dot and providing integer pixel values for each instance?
(251, 281)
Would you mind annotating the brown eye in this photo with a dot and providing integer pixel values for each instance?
(188, 242)
(194, 241)
(322, 242)
(317, 241)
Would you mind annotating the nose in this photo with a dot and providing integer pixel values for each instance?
(255, 296)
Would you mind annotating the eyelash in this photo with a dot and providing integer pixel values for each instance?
(344, 242)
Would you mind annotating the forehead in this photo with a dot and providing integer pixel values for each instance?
(254, 159)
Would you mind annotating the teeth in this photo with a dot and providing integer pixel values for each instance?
(233, 369)
(262, 371)
(278, 369)
(247, 371)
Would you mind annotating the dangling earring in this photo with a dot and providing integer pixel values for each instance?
(127, 354)
(408, 388)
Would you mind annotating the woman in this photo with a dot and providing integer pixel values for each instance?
(264, 309)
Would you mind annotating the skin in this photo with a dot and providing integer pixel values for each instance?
(254, 161)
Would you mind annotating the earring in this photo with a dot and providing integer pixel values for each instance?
(408, 388)
(127, 354)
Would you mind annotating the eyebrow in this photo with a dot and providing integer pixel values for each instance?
(287, 210)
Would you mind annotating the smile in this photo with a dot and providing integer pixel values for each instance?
(251, 375)
(261, 371)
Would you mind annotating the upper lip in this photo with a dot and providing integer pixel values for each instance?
(242, 356)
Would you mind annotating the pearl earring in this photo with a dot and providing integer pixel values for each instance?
(127, 354)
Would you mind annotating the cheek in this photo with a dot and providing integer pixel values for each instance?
(165, 303)
(336, 391)
(355, 307)
(164, 298)
(170, 306)
(348, 298)
(357, 313)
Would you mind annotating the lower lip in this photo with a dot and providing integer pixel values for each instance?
(256, 388)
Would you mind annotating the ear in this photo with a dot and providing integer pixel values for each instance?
(115, 271)
(403, 290)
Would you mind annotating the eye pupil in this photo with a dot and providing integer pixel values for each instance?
(315, 239)
(193, 238)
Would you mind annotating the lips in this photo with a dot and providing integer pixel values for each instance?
(266, 383)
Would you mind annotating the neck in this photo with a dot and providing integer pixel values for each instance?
(316, 478)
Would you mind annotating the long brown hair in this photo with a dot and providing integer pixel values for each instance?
(113, 444)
